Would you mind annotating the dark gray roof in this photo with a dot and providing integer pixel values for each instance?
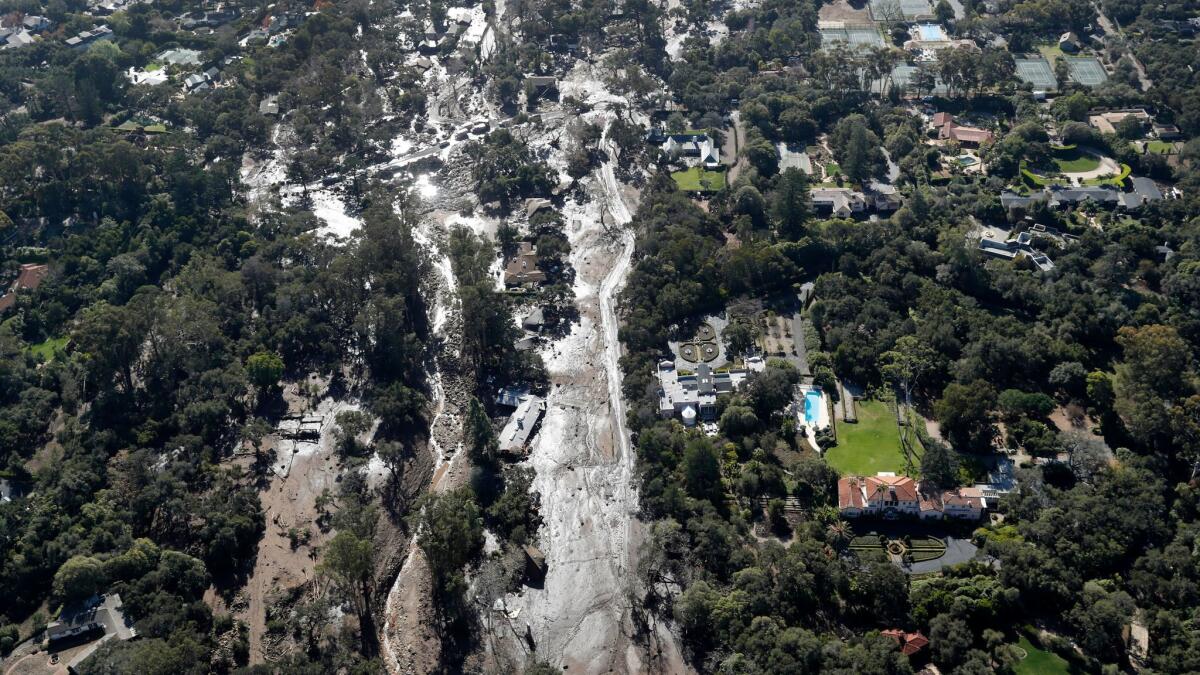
(1012, 200)
(704, 380)
(1146, 188)
(1100, 195)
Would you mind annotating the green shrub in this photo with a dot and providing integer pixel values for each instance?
(10, 635)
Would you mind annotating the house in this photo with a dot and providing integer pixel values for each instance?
(21, 38)
(256, 37)
(1103, 195)
(1142, 191)
(179, 57)
(1069, 43)
(522, 424)
(96, 620)
(965, 503)
(535, 205)
(541, 85)
(195, 82)
(883, 196)
(949, 130)
(523, 270)
(909, 643)
(694, 144)
(890, 496)
(852, 498)
(1106, 121)
(838, 202)
(534, 320)
(535, 564)
(1167, 132)
(269, 106)
(87, 37)
(511, 396)
(694, 395)
(210, 19)
(563, 43)
(29, 278)
(1012, 200)
(36, 24)
(1014, 247)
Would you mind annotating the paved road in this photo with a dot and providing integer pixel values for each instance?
(1110, 28)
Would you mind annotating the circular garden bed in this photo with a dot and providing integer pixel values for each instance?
(702, 348)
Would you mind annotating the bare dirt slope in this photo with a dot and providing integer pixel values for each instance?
(299, 474)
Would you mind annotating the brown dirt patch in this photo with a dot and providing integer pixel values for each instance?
(843, 10)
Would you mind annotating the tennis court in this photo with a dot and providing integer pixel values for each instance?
(902, 76)
(1086, 70)
(901, 10)
(853, 36)
(1037, 72)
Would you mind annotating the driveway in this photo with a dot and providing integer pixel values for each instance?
(801, 359)
(957, 551)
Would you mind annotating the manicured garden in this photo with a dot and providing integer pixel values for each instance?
(868, 446)
(914, 549)
(697, 179)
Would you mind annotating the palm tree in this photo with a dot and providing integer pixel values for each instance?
(840, 533)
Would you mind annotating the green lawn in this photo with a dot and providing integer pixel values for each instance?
(1074, 160)
(46, 349)
(832, 169)
(1050, 52)
(697, 179)
(1039, 661)
(870, 446)
(1160, 147)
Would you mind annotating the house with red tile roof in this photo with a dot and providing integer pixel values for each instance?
(909, 643)
(889, 496)
(852, 498)
(950, 130)
(29, 278)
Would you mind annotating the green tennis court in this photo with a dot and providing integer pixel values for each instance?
(1086, 70)
(853, 36)
(1037, 72)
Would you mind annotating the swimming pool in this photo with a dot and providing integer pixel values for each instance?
(931, 33)
(812, 406)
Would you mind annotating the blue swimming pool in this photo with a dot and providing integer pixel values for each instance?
(931, 33)
(812, 405)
